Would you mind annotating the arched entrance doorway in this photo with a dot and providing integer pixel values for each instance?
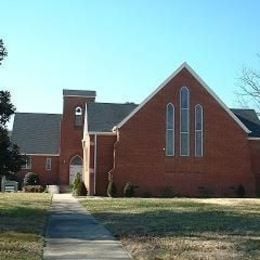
(75, 167)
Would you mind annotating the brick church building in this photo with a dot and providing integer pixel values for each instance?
(182, 137)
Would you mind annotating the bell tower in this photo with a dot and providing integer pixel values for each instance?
(72, 126)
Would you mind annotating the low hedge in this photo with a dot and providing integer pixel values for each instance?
(33, 188)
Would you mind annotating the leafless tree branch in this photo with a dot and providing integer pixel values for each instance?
(249, 87)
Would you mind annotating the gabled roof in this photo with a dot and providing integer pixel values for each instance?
(37, 133)
(203, 84)
(102, 117)
(250, 119)
(79, 93)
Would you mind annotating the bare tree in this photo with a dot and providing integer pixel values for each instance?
(249, 88)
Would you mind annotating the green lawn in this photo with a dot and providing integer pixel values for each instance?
(182, 228)
(22, 220)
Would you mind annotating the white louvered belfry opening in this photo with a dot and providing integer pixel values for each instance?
(78, 116)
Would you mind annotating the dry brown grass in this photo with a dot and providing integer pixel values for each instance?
(22, 220)
(183, 228)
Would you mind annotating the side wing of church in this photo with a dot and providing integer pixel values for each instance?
(182, 137)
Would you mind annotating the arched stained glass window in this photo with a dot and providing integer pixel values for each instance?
(184, 121)
(199, 131)
(170, 130)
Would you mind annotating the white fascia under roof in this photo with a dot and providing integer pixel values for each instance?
(203, 84)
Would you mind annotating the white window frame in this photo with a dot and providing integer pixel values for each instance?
(78, 111)
(188, 120)
(28, 163)
(199, 130)
(78, 121)
(48, 164)
(172, 128)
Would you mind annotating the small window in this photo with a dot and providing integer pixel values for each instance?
(78, 116)
(48, 164)
(184, 121)
(198, 131)
(28, 163)
(170, 130)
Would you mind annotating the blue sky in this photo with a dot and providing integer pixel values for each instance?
(122, 49)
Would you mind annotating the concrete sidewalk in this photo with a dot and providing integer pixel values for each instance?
(73, 233)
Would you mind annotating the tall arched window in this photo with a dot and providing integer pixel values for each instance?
(170, 130)
(198, 130)
(78, 116)
(184, 121)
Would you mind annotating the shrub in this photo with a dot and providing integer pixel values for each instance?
(31, 178)
(240, 191)
(111, 189)
(79, 188)
(167, 192)
(76, 182)
(129, 189)
(33, 188)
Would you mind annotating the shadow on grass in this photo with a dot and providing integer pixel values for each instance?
(22, 222)
(21, 211)
(22, 219)
(240, 233)
(163, 222)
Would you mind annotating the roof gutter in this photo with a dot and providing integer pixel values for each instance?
(40, 154)
(254, 138)
(101, 133)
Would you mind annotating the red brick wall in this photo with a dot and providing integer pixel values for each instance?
(38, 166)
(105, 147)
(71, 135)
(140, 155)
(255, 159)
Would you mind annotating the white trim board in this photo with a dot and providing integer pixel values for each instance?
(101, 133)
(203, 84)
(85, 127)
(254, 138)
(79, 96)
(39, 154)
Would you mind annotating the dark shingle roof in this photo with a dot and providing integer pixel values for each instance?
(37, 133)
(84, 93)
(102, 117)
(40, 133)
(250, 119)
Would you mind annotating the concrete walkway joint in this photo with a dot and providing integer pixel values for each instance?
(73, 233)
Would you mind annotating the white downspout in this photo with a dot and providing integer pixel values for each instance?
(95, 163)
(84, 140)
